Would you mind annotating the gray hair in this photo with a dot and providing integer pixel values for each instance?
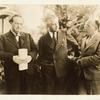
(51, 18)
(93, 21)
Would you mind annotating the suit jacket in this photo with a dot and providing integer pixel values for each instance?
(90, 58)
(56, 55)
(9, 47)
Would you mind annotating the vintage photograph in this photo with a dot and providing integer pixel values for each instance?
(49, 49)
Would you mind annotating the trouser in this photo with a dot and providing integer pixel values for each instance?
(61, 86)
(17, 84)
(48, 79)
(89, 86)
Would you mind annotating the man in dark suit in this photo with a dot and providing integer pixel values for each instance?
(52, 56)
(89, 61)
(16, 81)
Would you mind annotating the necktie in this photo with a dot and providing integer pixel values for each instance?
(18, 40)
(54, 37)
(17, 37)
(54, 40)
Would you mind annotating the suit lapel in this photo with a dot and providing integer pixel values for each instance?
(49, 40)
(83, 45)
(22, 40)
(91, 42)
(11, 38)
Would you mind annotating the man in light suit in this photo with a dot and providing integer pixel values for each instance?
(16, 81)
(52, 56)
(89, 61)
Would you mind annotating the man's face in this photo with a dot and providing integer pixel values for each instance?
(53, 26)
(89, 29)
(17, 24)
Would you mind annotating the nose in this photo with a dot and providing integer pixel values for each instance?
(19, 25)
(84, 28)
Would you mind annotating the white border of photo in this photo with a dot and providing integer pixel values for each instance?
(50, 97)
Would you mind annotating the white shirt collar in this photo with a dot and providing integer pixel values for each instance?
(51, 34)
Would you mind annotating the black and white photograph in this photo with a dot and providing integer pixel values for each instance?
(49, 49)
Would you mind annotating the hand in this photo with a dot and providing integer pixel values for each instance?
(70, 57)
(19, 60)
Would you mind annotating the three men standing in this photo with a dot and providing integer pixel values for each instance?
(53, 52)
